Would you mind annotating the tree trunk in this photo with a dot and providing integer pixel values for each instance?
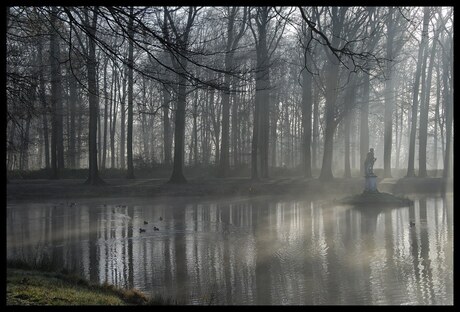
(332, 77)
(113, 95)
(190, 152)
(436, 118)
(113, 117)
(255, 137)
(24, 148)
(399, 148)
(206, 130)
(179, 129)
(40, 146)
(314, 145)
(151, 136)
(447, 94)
(73, 97)
(326, 169)
(180, 66)
(42, 94)
(354, 135)
(364, 126)
(424, 109)
(349, 99)
(79, 135)
(397, 131)
(264, 121)
(245, 142)
(306, 118)
(224, 163)
(123, 125)
(106, 109)
(11, 129)
(99, 127)
(346, 134)
(274, 131)
(421, 59)
(232, 42)
(408, 131)
(235, 130)
(330, 123)
(130, 173)
(57, 145)
(389, 98)
(261, 113)
(296, 142)
(93, 178)
(195, 130)
(166, 127)
(145, 126)
(282, 135)
(215, 116)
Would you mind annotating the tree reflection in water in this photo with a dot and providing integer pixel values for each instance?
(258, 251)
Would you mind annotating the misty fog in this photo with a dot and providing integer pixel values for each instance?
(275, 108)
(233, 88)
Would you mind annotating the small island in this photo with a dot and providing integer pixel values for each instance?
(371, 195)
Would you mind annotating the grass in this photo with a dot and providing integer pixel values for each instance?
(35, 284)
(142, 172)
(160, 171)
(160, 300)
(31, 287)
(374, 199)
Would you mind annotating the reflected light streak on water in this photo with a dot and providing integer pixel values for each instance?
(253, 251)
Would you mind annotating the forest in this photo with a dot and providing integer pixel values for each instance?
(229, 155)
(255, 92)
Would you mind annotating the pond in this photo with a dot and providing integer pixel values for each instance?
(264, 250)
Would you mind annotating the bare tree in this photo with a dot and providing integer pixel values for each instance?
(57, 144)
(345, 31)
(42, 94)
(332, 77)
(421, 59)
(181, 39)
(106, 114)
(89, 26)
(389, 95)
(448, 101)
(307, 104)
(396, 27)
(265, 47)
(130, 174)
(233, 39)
(349, 99)
(93, 177)
(166, 56)
(425, 100)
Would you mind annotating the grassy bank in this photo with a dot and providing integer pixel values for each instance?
(36, 285)
(191, 172)
(75, 188)
(32, 287)
(68, 189)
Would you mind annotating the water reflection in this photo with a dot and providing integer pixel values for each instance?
(258, 251)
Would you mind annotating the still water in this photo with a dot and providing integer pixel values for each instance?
(247, 251)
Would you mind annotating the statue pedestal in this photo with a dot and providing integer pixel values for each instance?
(371, 197)
(371, 183)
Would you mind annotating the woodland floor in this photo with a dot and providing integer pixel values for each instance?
(30, 189)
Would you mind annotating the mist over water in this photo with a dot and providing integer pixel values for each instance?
(262, 250)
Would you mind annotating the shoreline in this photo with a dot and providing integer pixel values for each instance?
(18, 190)
(38, 287)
